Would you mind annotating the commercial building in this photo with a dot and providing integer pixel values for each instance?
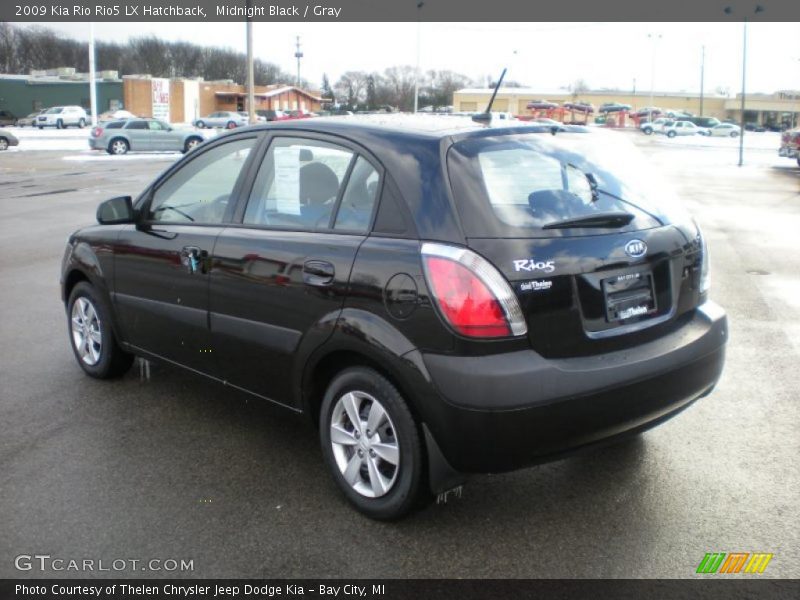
(24, 94)
(184, 100)
(779, 107)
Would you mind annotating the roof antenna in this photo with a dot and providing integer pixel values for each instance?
(486, 117)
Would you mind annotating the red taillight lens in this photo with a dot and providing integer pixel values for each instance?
(465, 301)
(97, 131)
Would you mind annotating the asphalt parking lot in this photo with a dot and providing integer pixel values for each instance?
(176, 468)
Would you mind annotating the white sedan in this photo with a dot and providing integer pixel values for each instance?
(726, 130)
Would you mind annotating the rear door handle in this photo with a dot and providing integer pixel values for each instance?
(194, 259)
(318, 272)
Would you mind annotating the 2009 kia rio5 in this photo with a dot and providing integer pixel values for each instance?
(442, 297)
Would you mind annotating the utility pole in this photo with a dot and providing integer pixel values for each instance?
(251, 94)
(298, 55)
(634, 94)
(655, 37)
(702, 76)
(420, 4)
(92, 78)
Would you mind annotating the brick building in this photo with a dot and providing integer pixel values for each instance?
(184, 100)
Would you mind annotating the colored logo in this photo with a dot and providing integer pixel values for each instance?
(734, 562)
(636, 248)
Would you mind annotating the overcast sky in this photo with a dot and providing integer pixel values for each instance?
(542, 55)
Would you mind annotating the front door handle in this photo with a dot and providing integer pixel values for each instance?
(194, 259)
(318, 272)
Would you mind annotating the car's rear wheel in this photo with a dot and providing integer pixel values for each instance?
(91, 335)
(118, 146)
(647, 130)
(798, 161)
(201, 125)
(59, 124)
(671, 134)
(372, 444)
(41, 126)
(81, 123)
(734, 134)
(231, 125)
(3, 143)
(191, 144)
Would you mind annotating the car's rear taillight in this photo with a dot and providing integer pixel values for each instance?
(472, 295)
(97, 132)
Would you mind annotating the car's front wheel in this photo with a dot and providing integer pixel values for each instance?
(3, 143)
(734, 134)
(91, 335)
(201, 125)
(648, 130)
(81, 123)
(671, 134)
(372, 444)
(59, 124)
(231, 125)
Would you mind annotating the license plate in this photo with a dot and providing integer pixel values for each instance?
(629, 296)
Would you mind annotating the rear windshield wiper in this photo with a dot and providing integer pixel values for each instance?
(611, 219)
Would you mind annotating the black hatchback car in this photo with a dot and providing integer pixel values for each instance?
(441, 297)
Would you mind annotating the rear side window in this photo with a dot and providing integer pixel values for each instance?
(137, 125)
(298, 184)
(358, 201)
(115, 125)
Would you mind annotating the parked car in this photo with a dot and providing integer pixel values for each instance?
(610, 107)
(680, 128)
(703, 122)
(7, 118)
(677, 114)
(7, 139)
(650, 127)
(142, 135)
(790, 145)
(271, 114)
(541, 105)
(436, 300)
(62, 117)
(754, 127)
(647, 111)
(29, 120)
(115, 115)
(725, 130)
(223, 118)
(583, 107)
(299, 114)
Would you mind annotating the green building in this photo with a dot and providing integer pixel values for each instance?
(24, 94)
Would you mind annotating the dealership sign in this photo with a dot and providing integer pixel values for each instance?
(160, 98)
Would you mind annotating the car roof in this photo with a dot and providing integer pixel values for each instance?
(406, 125)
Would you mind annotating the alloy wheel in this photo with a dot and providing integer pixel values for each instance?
(87, 336)
(364, 443)
(119, 147)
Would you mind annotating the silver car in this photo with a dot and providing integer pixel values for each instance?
(142, 135)
(222, 118)
(7, 139)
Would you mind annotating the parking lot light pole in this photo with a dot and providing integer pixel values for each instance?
(702, 77)
(420, 4)
(92, 77)
(729, 11)
(251, 96)
(654, 37)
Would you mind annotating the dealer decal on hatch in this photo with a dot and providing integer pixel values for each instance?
(536, 285)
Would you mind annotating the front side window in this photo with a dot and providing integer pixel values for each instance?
(298, 184)
(201, 190)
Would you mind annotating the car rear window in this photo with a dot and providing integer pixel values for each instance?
(517, 185)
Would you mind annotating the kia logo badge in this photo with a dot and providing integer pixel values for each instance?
(636, 248)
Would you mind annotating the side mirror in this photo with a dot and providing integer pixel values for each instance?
(116, 211)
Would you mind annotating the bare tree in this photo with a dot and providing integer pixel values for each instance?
(352, 87)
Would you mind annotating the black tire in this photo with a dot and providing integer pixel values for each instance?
(201, 125)
(230, 125)
(648, 130)
(409, 483)
(81, 123)
(113, 361)
(118, 147)
(798, 161)
(734, 134)
(671, 134)
(191, 143)
(59, 124)
(3, 144)
(41, 127)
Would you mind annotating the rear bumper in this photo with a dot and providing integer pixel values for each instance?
(96, 143)
(788, 152)
(503, 412)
